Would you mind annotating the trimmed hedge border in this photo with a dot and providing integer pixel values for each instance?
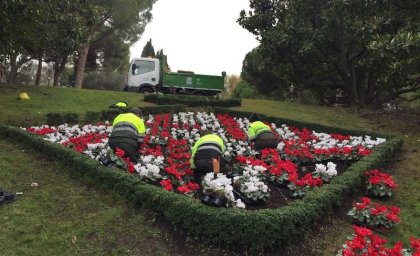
(230, 227)
(191, 101)
(108, 114)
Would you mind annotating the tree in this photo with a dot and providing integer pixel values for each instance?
(258, 73)
(148, 50)
(125, 18)
(369, 49)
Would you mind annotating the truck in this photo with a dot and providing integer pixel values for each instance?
(151, 75)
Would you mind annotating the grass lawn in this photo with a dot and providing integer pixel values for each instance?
(45, 218)
(49, 99)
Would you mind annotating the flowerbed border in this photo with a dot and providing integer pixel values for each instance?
(191, 101)
(55, 118)
(230, 227)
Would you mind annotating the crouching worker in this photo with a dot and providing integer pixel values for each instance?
(120, 105)
(128, 133)
(261, 134)
(208, 148)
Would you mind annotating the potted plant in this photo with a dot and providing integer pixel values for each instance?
(379, 183)
(218, 191)
(379, 217)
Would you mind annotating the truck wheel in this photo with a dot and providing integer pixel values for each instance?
(145, 90)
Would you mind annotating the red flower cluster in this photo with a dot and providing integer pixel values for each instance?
(375, 214)
(376, 177)
(80, 143)
(308, 180)
(41, 131)
(365, 242)
(232, 127)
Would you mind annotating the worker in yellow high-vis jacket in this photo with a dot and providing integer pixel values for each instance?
(261, 134)
(120, 105)
(208, 148)
(128, 133)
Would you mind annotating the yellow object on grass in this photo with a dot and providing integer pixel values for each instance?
(23, 96)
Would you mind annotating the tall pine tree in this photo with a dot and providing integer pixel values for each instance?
(148, 50)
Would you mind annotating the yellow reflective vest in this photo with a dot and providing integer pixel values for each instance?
(121, 104)
(256, 128)
(129, 126)
(207, 142)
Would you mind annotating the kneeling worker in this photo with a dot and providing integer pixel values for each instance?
(128, 132)
(261, 134)
(120, 105)
(208, 148)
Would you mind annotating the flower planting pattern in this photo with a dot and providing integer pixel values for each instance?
(165, 152)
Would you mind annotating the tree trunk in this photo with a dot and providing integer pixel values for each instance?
(81, 62)
(11, 79)
(15, 65)
(58, 70)
(38, 72)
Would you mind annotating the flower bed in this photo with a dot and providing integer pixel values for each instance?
(167, 164)
(250, 228)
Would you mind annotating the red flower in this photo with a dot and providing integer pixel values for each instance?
(394, 209)
(415, 244)
(393, 217)
(396, 250)
(193, 186)
(184, 189)
(166, 184)
(374, 180)
(361, 231)
(131, 168)
(379, 209)
(119, 152)
(359, 243)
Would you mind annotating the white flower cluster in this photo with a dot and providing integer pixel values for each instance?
(285, 132)
(366, 141)
(222, 186)
(326, 172)
(251, 184)
(149, 167)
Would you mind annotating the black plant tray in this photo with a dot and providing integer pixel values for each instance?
(246, 200)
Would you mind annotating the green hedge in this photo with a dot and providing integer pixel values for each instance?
(231, 227)
(108, 114)
(61, 118)
(191, 101)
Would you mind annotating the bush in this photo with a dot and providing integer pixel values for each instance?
(245, 90)
(61, 118)
(191, 101)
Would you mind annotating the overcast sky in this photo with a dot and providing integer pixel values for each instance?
(199, 35)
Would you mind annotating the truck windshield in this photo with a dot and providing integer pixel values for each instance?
(143, 66)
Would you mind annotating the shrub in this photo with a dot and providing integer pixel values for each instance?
(245, 90)
(61, 118)
(191, 101)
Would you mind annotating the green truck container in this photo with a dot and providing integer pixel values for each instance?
(148, 75)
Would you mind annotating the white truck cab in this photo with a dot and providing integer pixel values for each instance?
(143, 75)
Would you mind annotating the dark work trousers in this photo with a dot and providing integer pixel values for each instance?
(204, 166)
(129, 147)
(265, 140)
